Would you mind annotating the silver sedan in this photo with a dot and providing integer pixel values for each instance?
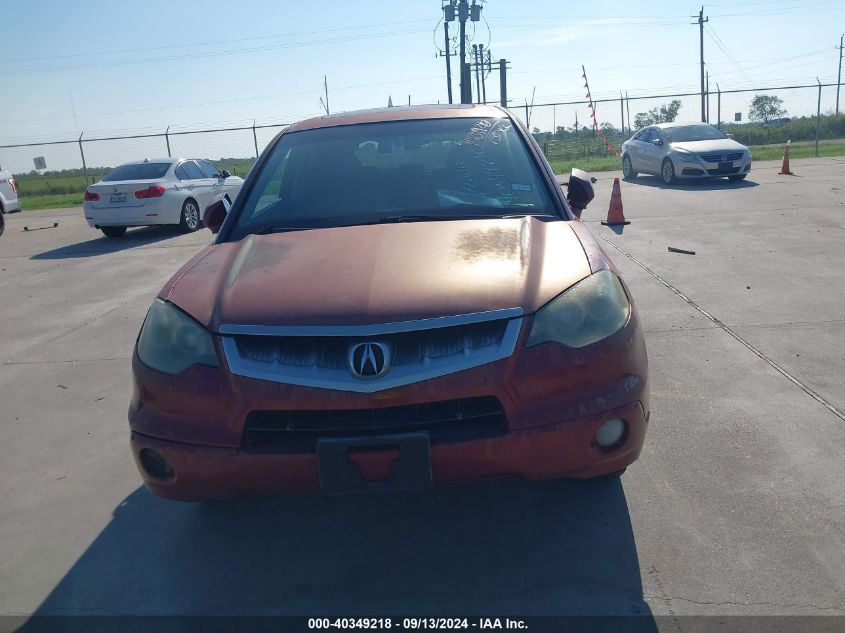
(684, 150)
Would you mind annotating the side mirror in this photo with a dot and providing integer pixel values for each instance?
(225, 174)
(215, 214)
(656, 141)
(579, 191)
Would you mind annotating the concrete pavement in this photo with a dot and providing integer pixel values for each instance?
(736, 506)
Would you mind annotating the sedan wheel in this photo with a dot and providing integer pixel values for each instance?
(190, 220)
(667, 172)
(628, 172)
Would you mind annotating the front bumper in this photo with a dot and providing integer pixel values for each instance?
(554, 400)
(563, 449)
(710, 170)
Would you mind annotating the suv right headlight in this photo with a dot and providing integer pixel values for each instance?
(591, 310)
(171, 341)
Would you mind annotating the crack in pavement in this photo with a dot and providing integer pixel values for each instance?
(743, 604)
(56, 362)
(728, 329)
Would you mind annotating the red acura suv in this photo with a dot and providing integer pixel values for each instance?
(396, 298)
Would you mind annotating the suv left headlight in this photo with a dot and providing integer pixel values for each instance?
(591, 310)
(171, 341)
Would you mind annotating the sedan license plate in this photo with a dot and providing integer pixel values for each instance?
(727, 166)
(338, 463)
(116, 198)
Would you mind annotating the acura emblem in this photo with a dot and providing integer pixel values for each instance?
(368, 360)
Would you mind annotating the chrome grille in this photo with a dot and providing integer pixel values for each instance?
(717, 157)
(316, 356)
(329, 352)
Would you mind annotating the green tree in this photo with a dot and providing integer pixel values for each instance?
(764, 108)
(666, 113)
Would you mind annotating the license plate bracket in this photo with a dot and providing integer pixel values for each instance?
(726, 166)
(339, 474)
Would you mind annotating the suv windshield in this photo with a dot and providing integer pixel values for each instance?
(702, 132)
(137, 171)
(394, 171)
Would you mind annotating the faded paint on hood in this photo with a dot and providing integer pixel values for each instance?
(380, 273)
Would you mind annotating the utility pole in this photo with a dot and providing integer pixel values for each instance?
(448, 16)
(839, 75)
(477, 74)
(503, 83)
(707, 88)
(701, 21)
(483, 67)
(471, 12)
(466, 86)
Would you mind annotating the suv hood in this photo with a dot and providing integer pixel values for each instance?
(386, 273)
(713, 145)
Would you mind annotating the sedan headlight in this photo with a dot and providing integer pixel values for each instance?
(171, 341)
(588, 312)
(686, 157)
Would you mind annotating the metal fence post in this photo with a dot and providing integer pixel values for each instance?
(503, 83)
(718, 107)
(167, 140)
(255, 139)
(818, 116)
(82, 153)
(622, 111)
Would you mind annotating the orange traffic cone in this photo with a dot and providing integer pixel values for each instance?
(615, 216)
(785, 168)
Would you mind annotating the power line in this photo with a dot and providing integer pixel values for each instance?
(723, 47)
(320, 42)
(220, 102)
(209, 43)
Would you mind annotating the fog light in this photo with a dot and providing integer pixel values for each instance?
(155, 464)
(610, 432)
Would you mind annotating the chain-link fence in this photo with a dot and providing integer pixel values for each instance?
(754, 117)
(565, 131)
(71, 165)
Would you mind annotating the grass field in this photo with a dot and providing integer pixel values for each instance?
(761, 152)
(51, 192)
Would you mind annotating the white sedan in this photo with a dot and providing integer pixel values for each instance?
(157, 191)
(684, 150)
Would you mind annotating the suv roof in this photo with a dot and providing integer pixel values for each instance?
(400, 113)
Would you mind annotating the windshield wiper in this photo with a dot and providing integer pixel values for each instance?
(272, 228)
(436, 218)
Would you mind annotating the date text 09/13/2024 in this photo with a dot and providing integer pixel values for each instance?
(415, 624)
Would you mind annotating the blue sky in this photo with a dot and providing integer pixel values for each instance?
(142, 66)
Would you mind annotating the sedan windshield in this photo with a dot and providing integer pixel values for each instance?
(701, 132)
(137, 171)
(396, 171)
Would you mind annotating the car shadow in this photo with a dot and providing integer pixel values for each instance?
(504, 547)
(133, 238)
(692, 185)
